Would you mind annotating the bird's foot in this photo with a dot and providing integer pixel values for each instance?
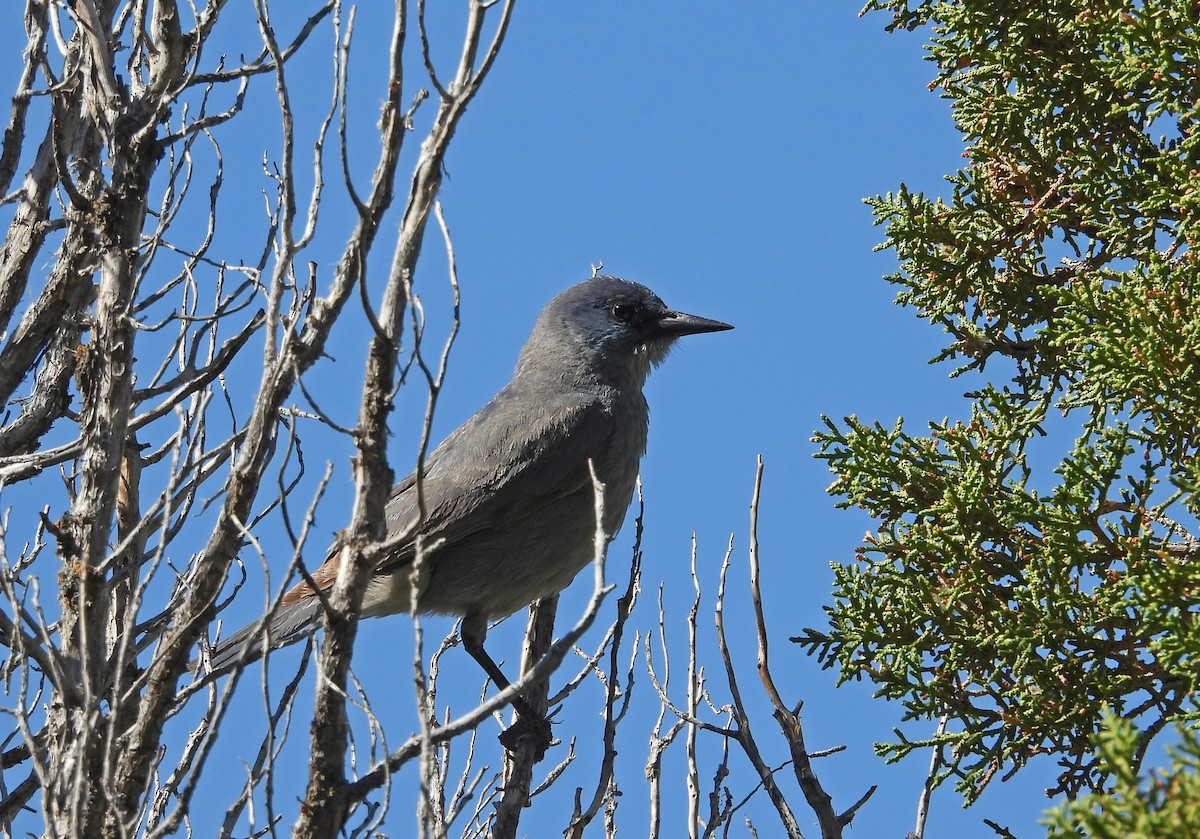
(530, 730)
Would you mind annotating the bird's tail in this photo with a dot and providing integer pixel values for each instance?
(289, 624)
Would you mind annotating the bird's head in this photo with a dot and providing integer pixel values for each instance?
(611, 327)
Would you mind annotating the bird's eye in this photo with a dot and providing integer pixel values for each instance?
(624, 312)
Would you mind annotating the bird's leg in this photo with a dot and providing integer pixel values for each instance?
(473, 632)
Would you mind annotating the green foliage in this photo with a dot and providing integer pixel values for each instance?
(1017, 597)
(1153, 806)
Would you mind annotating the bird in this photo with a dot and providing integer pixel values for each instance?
(509, 497)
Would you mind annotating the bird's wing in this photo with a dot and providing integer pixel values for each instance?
(489, 473)
(500, 461)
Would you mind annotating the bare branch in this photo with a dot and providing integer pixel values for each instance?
(935, 764)
(604, 781)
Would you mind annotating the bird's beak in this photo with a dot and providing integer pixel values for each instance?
(673, 324)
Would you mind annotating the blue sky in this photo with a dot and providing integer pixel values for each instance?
(718, 153)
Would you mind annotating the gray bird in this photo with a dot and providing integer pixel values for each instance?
(509, 497)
